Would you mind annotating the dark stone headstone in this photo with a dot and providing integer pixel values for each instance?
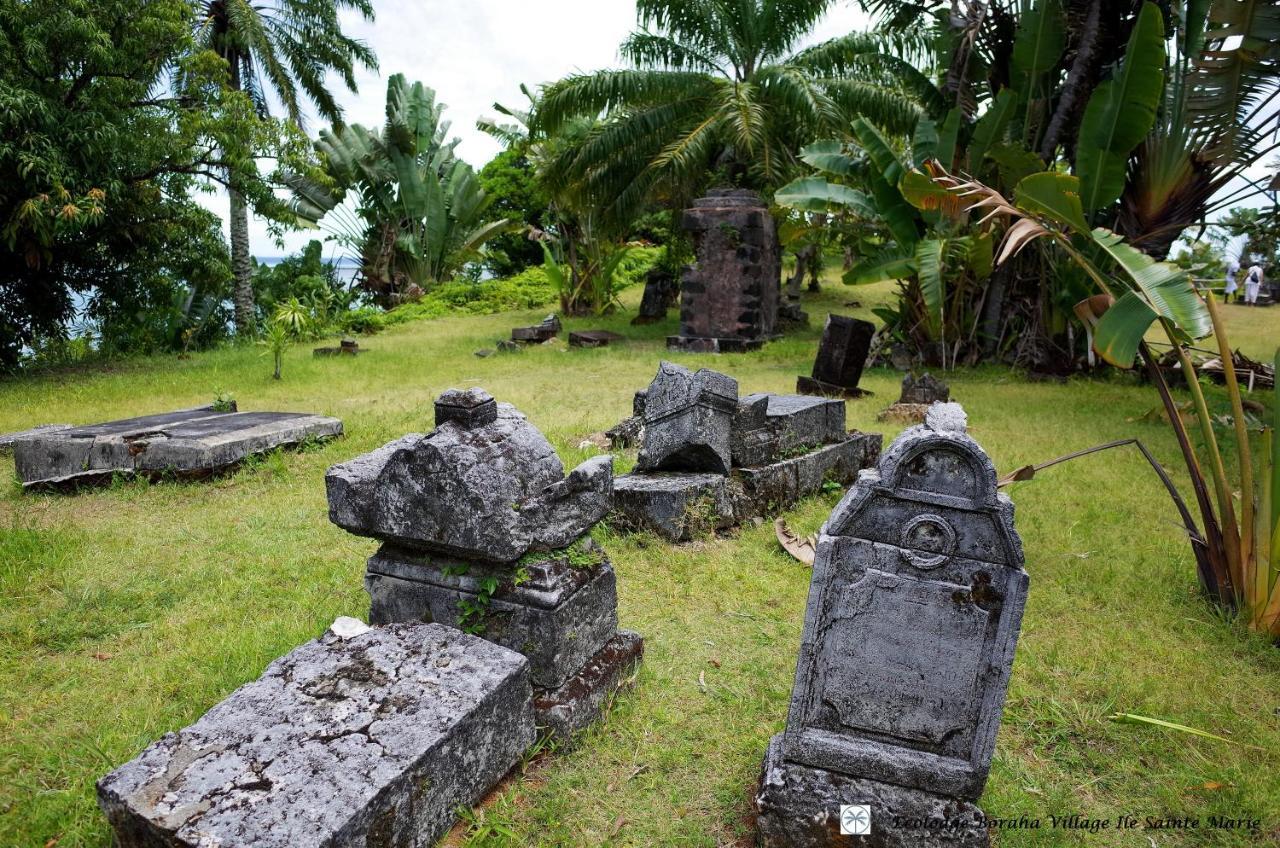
(909, 637)
(347, 347)
(374, 740)
(545, 330)
(660, 293)
(842, 354)
(729, 296)
(924, 390)
(187, 443)
(687, 421)
(468, 409)
(593, 338)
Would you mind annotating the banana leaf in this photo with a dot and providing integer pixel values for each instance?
(1038, 45)
(1165, 287)
(931, 269)
(892, 263)
(815, 194)
(1054, 196)
(829, 155)
(990, 127)
(1121, 112)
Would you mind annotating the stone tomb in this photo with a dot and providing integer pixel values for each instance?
(8, 440)
(710, 461)
(729, 296)
(545, 330)
(370, 740)
(908, 643)
(918, 394)
(484, 531)
(842, 354)
(187, 443)
(593, 338)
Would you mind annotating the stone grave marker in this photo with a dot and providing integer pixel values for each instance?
(687, 421)
(367, 736)
(545, 330)
(913, 616)
(729, 296)
(842, 354)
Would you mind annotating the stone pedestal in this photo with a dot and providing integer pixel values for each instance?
(842, 354)
(372, 740)
(729, 297)
(798, 806)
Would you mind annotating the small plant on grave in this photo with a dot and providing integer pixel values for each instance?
(473, 613)
(522, 576)
(223, 401)
(700, 517)
(584, 554)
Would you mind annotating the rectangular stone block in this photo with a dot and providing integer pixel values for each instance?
(558, 616)
(373, 740)
(8, 440)
(186, 443)
(842, 353)
(675, 506)
(583, 698)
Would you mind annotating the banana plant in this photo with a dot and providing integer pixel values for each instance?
(1237, 551)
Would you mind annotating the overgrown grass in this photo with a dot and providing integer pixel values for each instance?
(128, 611)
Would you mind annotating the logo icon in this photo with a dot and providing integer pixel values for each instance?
(855, 819)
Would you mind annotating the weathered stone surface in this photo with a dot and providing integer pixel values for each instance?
(191, 442)
(675, 506)
(548, 328)
(842, 353)
(469, 408)
(627, 433)
(912, 620)
(729, 297)
(798, 806)
(491, 492)
(593, 338)
(508, 346)
(766, 490)
(924, 390)
(768, 427)
(369, 741)
(583, 698)
(558, 616)
(8, 440)
(347, 347)
(660, 292)
(688, 417)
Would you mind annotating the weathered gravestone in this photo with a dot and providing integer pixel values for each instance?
(366, 737)
(687, 420)
(729, 296)
(484, 531)
(909, 636)
(924, 390)
(660, 292)
(842, 354)
(187, 443)
(545, 330)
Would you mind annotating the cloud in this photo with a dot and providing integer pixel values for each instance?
(476, 52)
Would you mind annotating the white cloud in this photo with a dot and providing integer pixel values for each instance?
(475, 52)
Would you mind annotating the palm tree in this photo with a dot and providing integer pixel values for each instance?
(718, 86)
(282, 49)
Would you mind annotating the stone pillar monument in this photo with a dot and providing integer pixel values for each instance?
(729, 296)
(909, 636)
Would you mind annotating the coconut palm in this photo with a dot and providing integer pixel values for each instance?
(717, 85)
(282, 49)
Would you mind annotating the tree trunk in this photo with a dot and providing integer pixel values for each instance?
(241, 265)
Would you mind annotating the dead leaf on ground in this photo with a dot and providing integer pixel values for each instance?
(617, 825)
(102, 656)
(714, 662)
(802, 549)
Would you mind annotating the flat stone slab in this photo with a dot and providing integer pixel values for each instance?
(373, 740)
(769, 427)
(555, 612)
(799, 806)
(190, 442)
(8, 440)
(593, 338)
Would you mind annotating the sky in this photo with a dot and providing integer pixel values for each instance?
(476, 52)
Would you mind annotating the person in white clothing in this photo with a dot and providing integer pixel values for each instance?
(1229, 291)
(1252, 282)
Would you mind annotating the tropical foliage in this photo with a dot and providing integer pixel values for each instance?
(419, 211)
(284, 49)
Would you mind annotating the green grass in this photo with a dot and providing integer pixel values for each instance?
(128, 611)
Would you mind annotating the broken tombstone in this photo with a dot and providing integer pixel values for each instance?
(545, 330)
(188, 443)
(842, 354)
(485, 532)
(660, 292)
(729, 296)
(367, 736)
(687, 418)
(918, 394)
(347, 347)
(909, 636)
(593, 338)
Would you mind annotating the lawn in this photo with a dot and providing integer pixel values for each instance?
(128, 611)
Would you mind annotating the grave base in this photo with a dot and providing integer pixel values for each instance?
(905, 413)
(681, 506)
(810, 386)
(798, 806)
(701, 344)
(583, 698)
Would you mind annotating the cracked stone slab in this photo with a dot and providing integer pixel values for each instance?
(485, 484)
(8, 440)
(372, 740)
(912, 619)
(798, 806)
(769, 427)
(186, 443)
(558, 615)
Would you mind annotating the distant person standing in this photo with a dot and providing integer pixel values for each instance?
(1229, 291)
(1252, 282)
